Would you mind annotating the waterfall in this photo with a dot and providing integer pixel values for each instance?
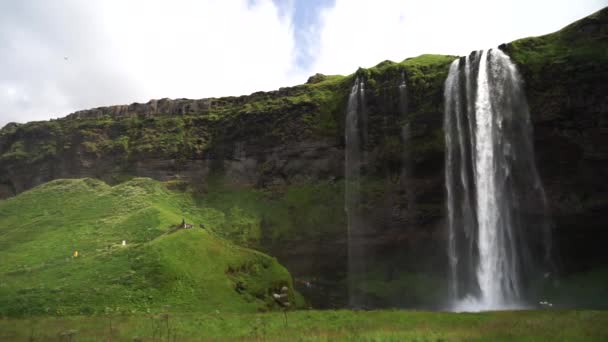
(498, 226)
(355, 139)
(403, 94)
(405, 138)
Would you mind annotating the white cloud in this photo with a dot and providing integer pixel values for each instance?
(212, 48)
(362, 33)
(125, 51)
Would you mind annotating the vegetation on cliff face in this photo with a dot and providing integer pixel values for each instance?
(160, 268)
(581, 42)
(565, 77)
(265, 170)
(258, 217)
(184, 130)
(559, 66)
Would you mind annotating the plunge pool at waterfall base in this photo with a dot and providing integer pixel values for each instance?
(474, 304)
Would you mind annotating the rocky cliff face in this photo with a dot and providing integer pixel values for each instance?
(566, 75)
(168, 139)
(273, 163)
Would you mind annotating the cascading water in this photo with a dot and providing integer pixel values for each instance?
(405, 137)
(355, 139)
(403, 95)
(498, 227)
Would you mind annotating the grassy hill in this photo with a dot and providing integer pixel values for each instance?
(160, 268)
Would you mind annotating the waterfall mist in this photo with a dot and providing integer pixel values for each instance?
(498, 224)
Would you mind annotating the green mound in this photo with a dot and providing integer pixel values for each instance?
(161, 267)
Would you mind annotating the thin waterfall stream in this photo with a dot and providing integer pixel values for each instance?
(405, 138)
(355, 135)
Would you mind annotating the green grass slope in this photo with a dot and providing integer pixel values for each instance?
(161, 268)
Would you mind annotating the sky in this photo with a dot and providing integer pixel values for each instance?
(60, 56)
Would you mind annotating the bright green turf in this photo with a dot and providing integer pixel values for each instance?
(318, 326)
(160, 268)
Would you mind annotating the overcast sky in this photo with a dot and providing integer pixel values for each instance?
(60, 56)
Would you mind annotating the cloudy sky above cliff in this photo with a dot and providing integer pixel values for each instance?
(64, 55)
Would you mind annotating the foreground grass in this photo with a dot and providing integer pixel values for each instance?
(316, 326)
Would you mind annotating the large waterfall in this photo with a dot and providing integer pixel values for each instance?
(355, 139)
(498, 240)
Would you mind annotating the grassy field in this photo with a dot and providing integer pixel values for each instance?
(316, 326)
(169, 284)
(160, 267)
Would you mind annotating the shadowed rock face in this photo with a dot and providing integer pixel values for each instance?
(567, 96)
(162, 142)
(294, 137)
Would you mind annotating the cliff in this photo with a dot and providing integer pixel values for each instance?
(271, 164)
